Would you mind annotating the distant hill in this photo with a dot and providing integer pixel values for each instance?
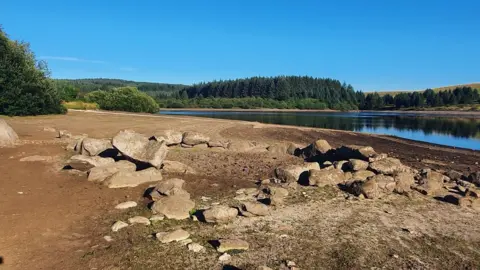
(154, 89)
(393, 93)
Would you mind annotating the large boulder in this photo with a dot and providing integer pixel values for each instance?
(430, 184)
(357, 164)
(175, 167)
(362, 175)
(7, 134)
(124, 179)
(75, 143)
(220, 214)
(100, 173)
(94, 147)
(169, 187)
(171, 137)
(293, 173)
(85, 163)
(370, 189)
(277, 195)
(137, 147)
(174, 207)
(249, 209)
(316, 148)
(386, 184)
(404, 180)
(474, 178)
(194, 138)
(324, 177)
(356, 152)
(388, 166)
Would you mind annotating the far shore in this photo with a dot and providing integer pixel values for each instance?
(472, 114)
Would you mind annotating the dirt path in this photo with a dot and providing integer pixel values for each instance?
(51, 219)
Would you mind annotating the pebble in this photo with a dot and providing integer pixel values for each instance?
(20, 192)
(108, 238)
(126, 205)
(225, 257)
(119, 225)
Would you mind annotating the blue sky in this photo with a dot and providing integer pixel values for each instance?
(374, 45)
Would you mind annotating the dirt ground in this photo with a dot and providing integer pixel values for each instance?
(52, 219)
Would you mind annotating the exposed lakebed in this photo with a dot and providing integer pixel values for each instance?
(439, 129)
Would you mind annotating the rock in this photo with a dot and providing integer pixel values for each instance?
(139, 220)
(119, 225)
(356, 152)
(49, 129)
(277, 195)
(177, 235)
(324, 177)
(8, 137)
(377, 157)
(244, 146)
(137, 147)
(220, 144)
(94, 147)
(171, 137)
(108, 238)
(431, 184)
(124, 179)
(126, 205)
(388, 166)
(62, 134)
(157, 218)
(465, 202)
(100, 173)
(37, 159)
(348, 176)
(362, 175)
(170, 187)
(254, 209)
(474, 178)
(404, 181)
(195, 247)
(185, 242)
(327, 165)
(174, 207)
(341, 165)
(201, 146)
(386, 184)
(186, 145)
(454, 175)
(293, 173)
(316, 148)
(85, 163)
(278, 149)
(293, 149)
(225, 257)
(370, 189)
(220, 214)
(357, 165)
(194, 138)
(232, 245)
(75, 143)
(263, 267)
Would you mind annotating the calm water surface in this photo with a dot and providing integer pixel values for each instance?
(451, 131)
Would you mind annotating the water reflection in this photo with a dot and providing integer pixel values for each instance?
(452, 131)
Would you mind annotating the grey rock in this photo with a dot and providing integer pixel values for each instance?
(119, 225)
(388, 166)
(357, 164)
(139, 220)
(232, 245)
(292, 173)
(325, 177)
(85, 163)
(100, 173)
(194, 138)
(126, 205)
(254, 209)
(220, 214)
(356, 152)
(124, 179)
(8, 136)
(171, 137)
(93, 147)
(362, 175)
(177, 235)
(173, 207)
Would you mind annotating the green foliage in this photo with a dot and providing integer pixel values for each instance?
(128, 99)
(80, 105)
(67, 91)
(25, 88)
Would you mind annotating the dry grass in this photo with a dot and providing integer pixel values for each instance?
(80, 105)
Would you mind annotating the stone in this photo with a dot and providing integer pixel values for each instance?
(175, 167)
(454, 175)
(232, 245)
(174, 207)
(293, 149)
(220, 214)
(194, 138)
(277, 195)
(404, 181)
(474, 178)
(170, 187)
(124, 179)
(139, 220)
(119, 225)
(100, 173)
(254, 209)
(8, 136)
(62, 134)
(37, 159)
(126, 205)
(185, 242)
(137, 147)
(348, 176)
(388, 166)
(431, 184)
(370, 189)
(195, 247)
(108, 238)
(94, 147)
(355, 152)
(377, 157)
(219, 144)
(245, 146)
(225, 257)
(357, 164)
(186, 145)
(85, 163)
(292, 173)
(362, 175)
(341, 165)
(316, 148)
(49, 129)
(201, 146)
(171, 137)
(177, 235)
(386, 184)
(75, 143)
(155, 218)
(324, 177)
(278, 149)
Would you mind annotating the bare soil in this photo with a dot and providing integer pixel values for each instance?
(52, 219)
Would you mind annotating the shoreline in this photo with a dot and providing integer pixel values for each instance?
(470, 114)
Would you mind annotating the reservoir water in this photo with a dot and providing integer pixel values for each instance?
(445, 130)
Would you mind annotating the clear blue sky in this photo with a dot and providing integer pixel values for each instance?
(374, 45)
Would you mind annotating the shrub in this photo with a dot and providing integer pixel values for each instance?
(25, 88)
(80, 105)
(128, 99)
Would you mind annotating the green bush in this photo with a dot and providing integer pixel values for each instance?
(25, 88)
(128, 99)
